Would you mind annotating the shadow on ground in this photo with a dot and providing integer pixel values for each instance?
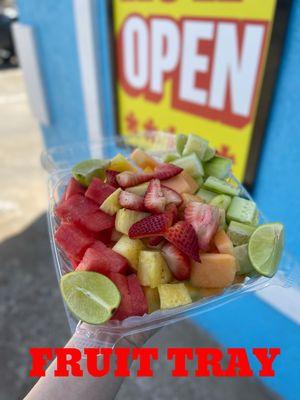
(32, 315)
(31, 310)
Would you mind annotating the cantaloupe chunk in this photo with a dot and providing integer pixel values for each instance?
(188, 198)
(152, 298)
(193, 185)
(143, 160)
(209, 292)
(223, 243)
(182, 183)
(214, 271)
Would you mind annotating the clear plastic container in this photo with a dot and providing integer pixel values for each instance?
(58, 162)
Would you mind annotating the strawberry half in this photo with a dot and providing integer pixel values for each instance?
(205, 220)
(172, 210)
(166, 171)
(154, 200)
(111, 177)
(127, 179)
(183, 236)
(155, 241)
(152, 225)
(131, 201)
(178, 262)
(171, 196)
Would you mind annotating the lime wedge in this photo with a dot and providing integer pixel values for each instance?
(265, 248)
(91, 297)
(86, 170)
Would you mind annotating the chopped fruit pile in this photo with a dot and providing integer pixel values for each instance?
(163, 233)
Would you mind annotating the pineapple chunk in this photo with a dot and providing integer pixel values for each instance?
(150, 268)
(120, 164)
(173, 295)
(130, 249)
(125, 218)
(152, 298)
(188, 198)
(111, 204)
(166, 274)
(140, 190)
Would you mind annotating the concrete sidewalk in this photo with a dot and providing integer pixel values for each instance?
(23, 189)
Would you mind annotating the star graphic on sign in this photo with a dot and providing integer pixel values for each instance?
(149, 125)
(131, 122)
(171, 129)
(225, 152)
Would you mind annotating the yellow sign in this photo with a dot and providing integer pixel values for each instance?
(192, 66)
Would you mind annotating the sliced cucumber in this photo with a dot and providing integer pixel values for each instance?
(222, 223)
(241, 210)
(217, 185)
(243, 260)
(218, 166)
(180, 141)
(255, 221)
(199, 180)
(209, 154)
(206, 195)
(222, 201)
(195, 144)
(170, 157)
(191, 164)
(239, 233)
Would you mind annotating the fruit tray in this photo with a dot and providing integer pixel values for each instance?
(58, 162)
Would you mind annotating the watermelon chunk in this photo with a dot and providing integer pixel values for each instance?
(138, 299)
(62, 198)
(99, 191)
(102, 259)
(75, 207)
(105, 236)
(73, 241)
(74, 262)
(97, 221)
(73, 187)
(84, 213)
(125, 308)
